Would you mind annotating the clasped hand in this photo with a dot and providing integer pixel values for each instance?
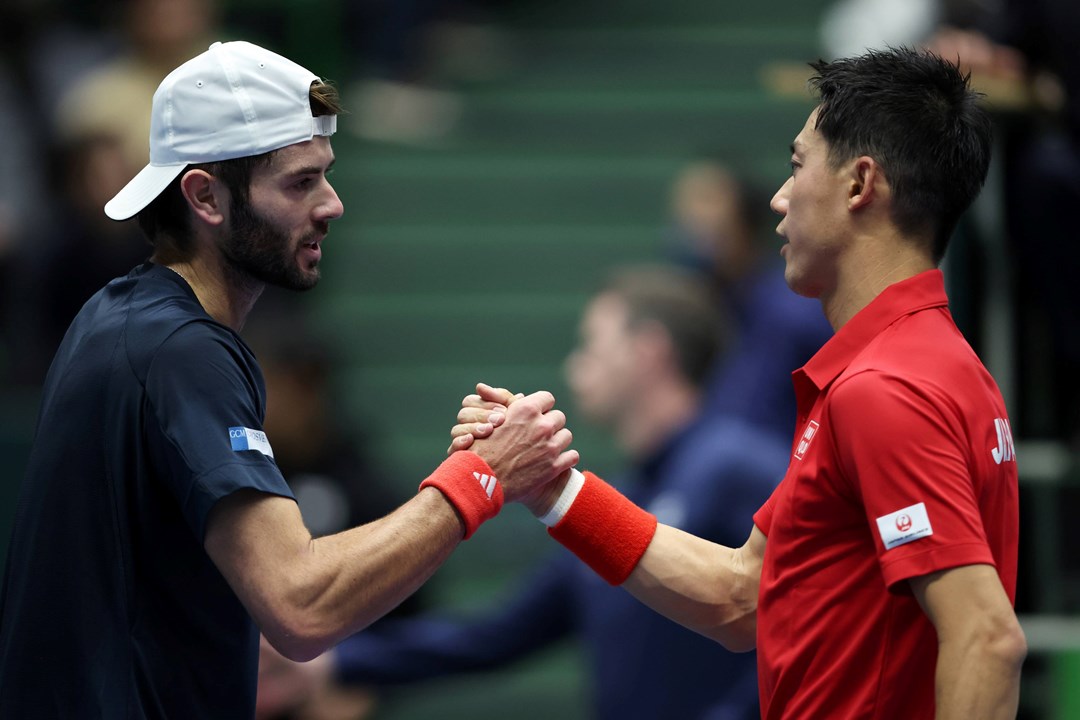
(522, 437)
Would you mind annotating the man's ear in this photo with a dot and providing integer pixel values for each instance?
(867, 182)
(654, 345)
(206, 196)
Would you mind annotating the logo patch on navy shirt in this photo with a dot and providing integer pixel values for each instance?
(243, 438)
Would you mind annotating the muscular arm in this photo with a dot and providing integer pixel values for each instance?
(980, 643)
(305, 593)
(706, 587)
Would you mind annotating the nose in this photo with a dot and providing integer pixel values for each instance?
(779, 202)
(331, 208)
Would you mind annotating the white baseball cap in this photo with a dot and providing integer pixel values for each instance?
(234, 100)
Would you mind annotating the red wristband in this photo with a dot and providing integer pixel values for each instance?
(469, 483)
(607, 531)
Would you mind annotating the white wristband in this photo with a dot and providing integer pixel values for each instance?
(566, 499)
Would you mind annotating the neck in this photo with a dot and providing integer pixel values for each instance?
(864, 274)
(658, 414)
(226, 294)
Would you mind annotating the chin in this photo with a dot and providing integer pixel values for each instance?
(791, 278)
(799, 285)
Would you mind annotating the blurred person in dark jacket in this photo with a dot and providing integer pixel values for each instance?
(648, 339)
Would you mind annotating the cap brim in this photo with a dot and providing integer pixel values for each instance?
(141, 190)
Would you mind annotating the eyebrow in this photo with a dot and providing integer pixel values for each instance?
(794, 149)
(312, 169)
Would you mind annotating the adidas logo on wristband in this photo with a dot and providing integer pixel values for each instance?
(474, 503)
(486, 481)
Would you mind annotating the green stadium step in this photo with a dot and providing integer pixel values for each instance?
(528, 259)
(413, 328)
(659, 125)
(717, 58)
(491, 190)
(647, 14)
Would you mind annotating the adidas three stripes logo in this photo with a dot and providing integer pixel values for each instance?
(487, 482)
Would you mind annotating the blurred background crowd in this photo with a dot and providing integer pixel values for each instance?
(500, 160)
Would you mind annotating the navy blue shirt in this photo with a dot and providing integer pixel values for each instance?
(778, 331)
(708, 480)
(151, 413)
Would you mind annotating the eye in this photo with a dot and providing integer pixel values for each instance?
(794, 165)
(303, 183)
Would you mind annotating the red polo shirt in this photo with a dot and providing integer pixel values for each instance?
(902, 465)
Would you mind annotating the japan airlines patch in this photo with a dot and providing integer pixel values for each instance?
(904, 526)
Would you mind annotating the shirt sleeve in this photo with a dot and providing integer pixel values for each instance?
(903, 450)
(203, 421)
(763, 517)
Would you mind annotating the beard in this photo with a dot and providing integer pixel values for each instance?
(259, 249)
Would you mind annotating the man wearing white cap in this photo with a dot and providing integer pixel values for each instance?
(153, 526)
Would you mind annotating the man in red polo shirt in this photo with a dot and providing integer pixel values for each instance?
(878, 580)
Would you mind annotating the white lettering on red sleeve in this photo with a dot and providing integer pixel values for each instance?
(1004, 451)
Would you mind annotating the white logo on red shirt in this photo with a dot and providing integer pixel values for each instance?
(904, 526)
(807, 436)
(1004, 452)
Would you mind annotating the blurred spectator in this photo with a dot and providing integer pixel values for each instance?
(80, 251)
(52, 44)
(21, 205)
(1036, 41)
(647, 340)
(412, 51)
(290, 690)
(1024, 56)
(851, 27)
(113, 100)
(719, 228)
(101, 125)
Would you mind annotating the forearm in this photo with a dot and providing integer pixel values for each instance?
(307, 594)
(701, 585)
(981, 646)
(705, 587)
(342, 583)
(980, 679)
(503, 630)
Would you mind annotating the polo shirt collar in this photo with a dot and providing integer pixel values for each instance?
(921, 292)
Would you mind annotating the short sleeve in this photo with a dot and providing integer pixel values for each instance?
(204, 412)
(903, 449)
(763, 517)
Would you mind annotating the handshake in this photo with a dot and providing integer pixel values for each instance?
(524, 441)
